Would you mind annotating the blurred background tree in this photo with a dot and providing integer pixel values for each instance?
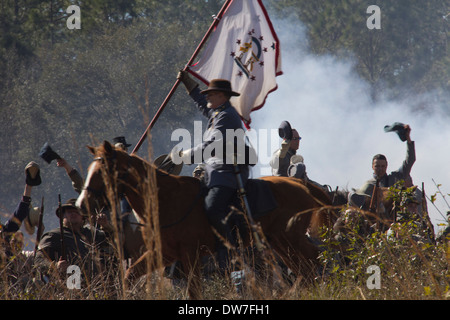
(407, 55)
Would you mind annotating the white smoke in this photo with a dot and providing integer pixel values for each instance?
(341, 128)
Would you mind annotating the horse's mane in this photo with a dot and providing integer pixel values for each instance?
(107, 150)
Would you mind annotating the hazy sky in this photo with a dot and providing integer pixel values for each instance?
(341, 129)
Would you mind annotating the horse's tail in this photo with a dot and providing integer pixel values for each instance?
(319, 217)
(303, 217)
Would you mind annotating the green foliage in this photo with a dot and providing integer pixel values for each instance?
(411, 264)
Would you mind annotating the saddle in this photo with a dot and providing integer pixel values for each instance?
(260, 197)
(260, 200)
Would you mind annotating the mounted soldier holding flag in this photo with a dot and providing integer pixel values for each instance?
(220, 178)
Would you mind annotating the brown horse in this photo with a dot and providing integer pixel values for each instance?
(183, 226)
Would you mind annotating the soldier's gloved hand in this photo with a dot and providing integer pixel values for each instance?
(188, 82)
(284, 148)
(32, 173)
(62, 266)
(178, 156)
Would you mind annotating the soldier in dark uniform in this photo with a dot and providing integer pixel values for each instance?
(33, 178)
(379, 167)
(11, 239)
(219, 176)
(81, 244)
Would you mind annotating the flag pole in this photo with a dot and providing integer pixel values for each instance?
(174, 87)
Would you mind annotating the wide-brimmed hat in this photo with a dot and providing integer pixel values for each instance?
(69, 204)
(32, 220)
(164, 162)
(122, 140)
(220, 85)
(285, 130)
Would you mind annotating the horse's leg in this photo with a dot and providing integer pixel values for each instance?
(296, 251)
(192, 267)
(134, 247)
(301, 257)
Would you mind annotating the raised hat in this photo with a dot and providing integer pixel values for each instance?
(220, 85)
(285, 130)
(48, 154)
(33, 176)
(32, 220)
(397, 127)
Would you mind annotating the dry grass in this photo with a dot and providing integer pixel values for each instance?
(417, 271)
(410, 269)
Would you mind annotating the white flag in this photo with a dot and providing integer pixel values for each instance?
(245, 50)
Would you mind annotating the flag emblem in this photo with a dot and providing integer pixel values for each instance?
(243, 49)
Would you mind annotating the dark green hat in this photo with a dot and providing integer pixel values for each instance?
(69, 204)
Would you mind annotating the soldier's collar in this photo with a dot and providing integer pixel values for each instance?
(221, 107)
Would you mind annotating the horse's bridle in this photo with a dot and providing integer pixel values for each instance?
(123, 177)
(97, 193)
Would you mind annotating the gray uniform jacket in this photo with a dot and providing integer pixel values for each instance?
(219, 168)
(388, 180)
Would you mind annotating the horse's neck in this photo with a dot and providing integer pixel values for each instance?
(136, 184)
(142, 192)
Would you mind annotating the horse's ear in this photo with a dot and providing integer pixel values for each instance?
(108, 147)
(91, 149)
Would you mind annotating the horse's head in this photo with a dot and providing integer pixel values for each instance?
(105, 178)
